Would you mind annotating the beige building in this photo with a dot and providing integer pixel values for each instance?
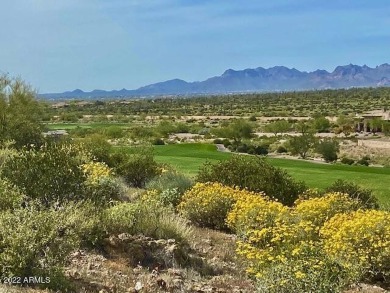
(364, 120)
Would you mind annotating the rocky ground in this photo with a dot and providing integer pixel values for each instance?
(144, 265)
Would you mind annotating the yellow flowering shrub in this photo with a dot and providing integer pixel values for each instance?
(254, 211)
(320, 209)
(282, 246)
(207, 204)
(96, 171)
(279, 243)
(362, 236)
(284, 258)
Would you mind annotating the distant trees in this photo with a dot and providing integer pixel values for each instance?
(375, 124)
(237, 130)
(321, 124)
(346, 124)
(279, 126)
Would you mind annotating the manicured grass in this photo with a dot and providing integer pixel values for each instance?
(187, 158)
(322, 175)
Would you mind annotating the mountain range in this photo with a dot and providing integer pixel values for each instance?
(278, 78)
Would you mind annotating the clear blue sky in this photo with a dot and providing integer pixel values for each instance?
(59, 45)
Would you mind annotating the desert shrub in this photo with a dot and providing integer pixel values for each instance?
(281, 150)
(317, 275)
(288, 257)
(113, 131)
(51, 174)
(258, 150)
(136, 168)
(88, 217)
(328, 148)
(347, 161)
(361, 237)
(6, 154)
(207, 204)
(148, 217)
(242, 148)
(157, 141)
(254, 211)
(36, 242)
(10, 196)
(363, 161)
(105, 191)
(98, 146)
(168, 197)
(170, 180)
(226, 142)
(364, 196)
(318, 210)
(254, 174)
(101, 186)
(120, 218)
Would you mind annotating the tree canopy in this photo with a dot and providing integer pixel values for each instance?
(20, 113)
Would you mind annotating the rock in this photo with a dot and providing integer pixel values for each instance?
(138, 286)
(161, 242)
(125, 237)
(171, 249)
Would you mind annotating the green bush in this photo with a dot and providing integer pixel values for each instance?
(104, 191)
(170, 179)
(98, 147)
(36, 242)
(113, 131)
(226, 142)
(285, 277)
(254, 174)
(148, 217)
(347, 161)
(51, 174)
(364, 196)
(328, 149)
(281, 150)
(10, 196)
(136, 168)
(6, 154)
(158, 141)
(120, 218)
(365, 161)
(88, 218)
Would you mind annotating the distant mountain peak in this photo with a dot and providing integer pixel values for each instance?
(259, 79)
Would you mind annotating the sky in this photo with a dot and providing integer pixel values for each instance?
(60, 45)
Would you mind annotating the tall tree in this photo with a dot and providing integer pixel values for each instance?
(20, 113)
(300, 145)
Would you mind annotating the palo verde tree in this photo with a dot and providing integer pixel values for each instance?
(279, 126)
(236, 130)
(20, 113)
